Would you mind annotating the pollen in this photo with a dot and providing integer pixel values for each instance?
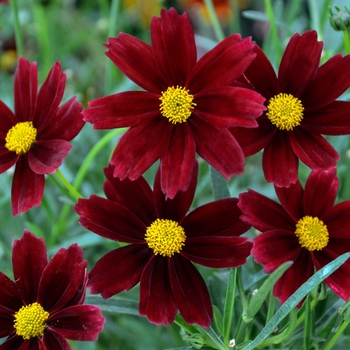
(285, 111)
(21, 137)
(177, 104)
(165, 237)
(30, 321)
(312, 233)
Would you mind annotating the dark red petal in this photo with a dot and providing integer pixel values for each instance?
(280, 164)
(6, 324)
(339, 280)
(218, 218)
(263, 213)
(217, 252)
(261, 75)
(8, 120)
(299, 63)
(321, 190)
(173, 46)
(50, 96)
(66, 122)
(313, 149)
(252, 140)
(119, 270)
(156, 296)
(7, 158)
(329, 120)
(47, 156)
(10, 300)
(291, 199)
(110, 220)
(29, 259)
(229, 106)
(219, 148)
(337, 219)
(26, 85)
(177, 207)
(273, 248)
(177, 163)
(54, 341)
(27, 187)
(301, 270)
(135, 59)
(62, 279)
(190, 292)
(223, 64)
(140, 147)
(78, 322)
(16, 342)
(135, 195)
(333, 73)
(130, 108)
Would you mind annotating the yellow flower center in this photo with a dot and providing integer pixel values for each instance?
(177, 104)
(165, 237)
(312, 233)
(30, 321)
(285, 111)
(20, 137)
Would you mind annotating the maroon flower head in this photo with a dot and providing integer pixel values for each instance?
(301, 106)
(45, 303)
(306, 227)
(186, 107)
(36, 137)
(162, 242)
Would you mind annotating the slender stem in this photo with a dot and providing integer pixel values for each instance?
(18, 34)
(229, 304)
(69, 187)
(335, 337)
(346, 42)
(314, 9)
(214, 20)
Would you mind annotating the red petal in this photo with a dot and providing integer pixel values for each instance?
(177, 163)
(78, 322)
(313, 149)
(219, 148)
(8, 120)
(223, 64)
(62, 279)
(47, 156)
(119, 270)
(130, 108)
(229, 106)
(279, 162)
(173, 46)
(7, 158)
(110, 220)
(156, 297)
(135, 59)
(10, 302)
(26, 85)
(299, 63)
(217, 252)
(190, 292)
(140, 147)
(53, 341)
(337, 219)
(29, 259)
(263, 213)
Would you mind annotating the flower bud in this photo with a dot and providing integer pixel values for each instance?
(340, 20)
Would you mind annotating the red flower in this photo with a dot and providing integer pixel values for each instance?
(45, 303)
(306, 228)
(301, 105)
(36, 137)
(187, 105)
(162, 243)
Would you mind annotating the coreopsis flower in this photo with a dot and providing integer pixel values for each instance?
(36, 135)
(187, 105)
(44, 304)
(306, 227)
(162, 243)
(301, 107)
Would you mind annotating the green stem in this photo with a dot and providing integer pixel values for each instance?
(314, 8)
(273, 29)
(214, 20)
(346, 42)
(69, 187)
(229, 305)
(335, 337)
(18, 34)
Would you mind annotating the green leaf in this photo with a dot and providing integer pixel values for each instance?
(220, 187)
(258, 298)
(294, 299)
